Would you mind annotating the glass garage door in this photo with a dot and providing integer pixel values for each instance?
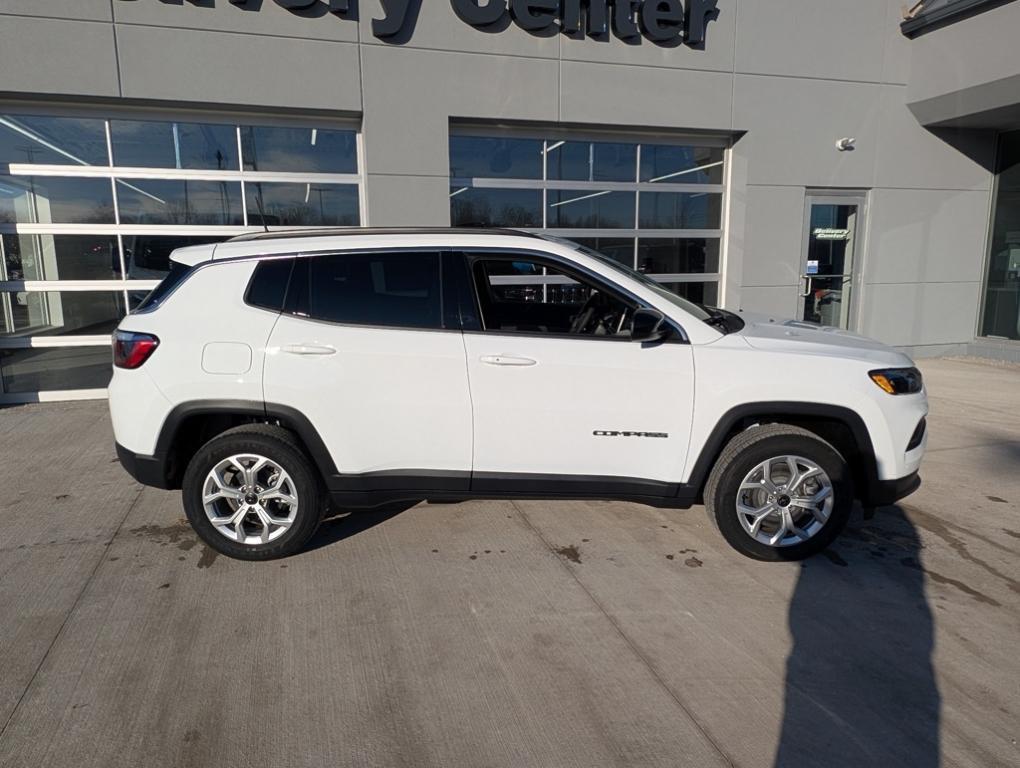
(655, 205)
(91, 207)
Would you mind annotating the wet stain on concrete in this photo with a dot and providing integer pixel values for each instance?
(207, 558)
(284, 565)
(1014, 534)
(670, 557)
(693, 562)
(179, 534)
(944, 530)
(472, 557)
(938, 578)
(434, 551)
(163, 586)
(834, 558)
(62, 496)
(997, 499)
(571, 553)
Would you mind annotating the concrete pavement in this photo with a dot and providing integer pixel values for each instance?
(516, 634)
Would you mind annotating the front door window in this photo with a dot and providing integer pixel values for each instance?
(828, 273)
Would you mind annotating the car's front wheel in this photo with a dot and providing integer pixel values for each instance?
(251, 493)
(779, 492)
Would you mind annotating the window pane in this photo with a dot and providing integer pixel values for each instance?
(55, 200)
(676, 256)
(681, 165)
(173, 145)
(53, 313)
(680, 210)
(302, 205)
(529, 297)
(59, 257)
(147, 257)
(268, 286)
(619, 249)
(171, 201)
(45, 370)
(481, 157)
(591, 161)
(473, 207)
(52, 140)
(699, 293)
(388, 289)
(1002, 295)
(310, 150)
(581, 209)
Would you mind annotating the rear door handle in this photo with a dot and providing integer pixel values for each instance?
(309, 349)
(510, 360)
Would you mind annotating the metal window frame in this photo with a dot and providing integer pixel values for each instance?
(126, 285)
(546, 136)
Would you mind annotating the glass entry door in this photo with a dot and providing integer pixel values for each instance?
(834, 225)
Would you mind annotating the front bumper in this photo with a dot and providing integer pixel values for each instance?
(885, 492)
(147, 470)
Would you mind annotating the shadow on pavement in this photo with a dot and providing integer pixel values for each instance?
(343, 527)
(860, 687)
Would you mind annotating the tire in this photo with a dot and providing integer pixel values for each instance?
(744, 458)
(280, 529)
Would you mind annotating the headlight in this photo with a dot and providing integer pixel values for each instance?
(898, 381)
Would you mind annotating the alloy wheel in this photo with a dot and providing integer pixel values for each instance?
(784, 500)
(250, 499)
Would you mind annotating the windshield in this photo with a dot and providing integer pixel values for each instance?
(687, 306)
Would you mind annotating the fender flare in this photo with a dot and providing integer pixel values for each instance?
(867, 474)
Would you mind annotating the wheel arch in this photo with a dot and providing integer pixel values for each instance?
(190, 425)
(837, 425)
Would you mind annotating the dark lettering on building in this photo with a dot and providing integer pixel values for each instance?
(664, 22)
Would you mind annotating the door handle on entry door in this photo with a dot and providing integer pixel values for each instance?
(308, 349)
(509, 360)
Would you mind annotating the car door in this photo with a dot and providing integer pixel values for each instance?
(362, 351)
(563, 400)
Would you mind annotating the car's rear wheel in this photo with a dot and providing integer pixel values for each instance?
(251, 493)
(779, 492)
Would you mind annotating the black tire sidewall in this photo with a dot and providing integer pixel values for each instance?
(293, 462)
(813, 449)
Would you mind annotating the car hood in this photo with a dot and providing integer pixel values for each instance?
(799, 337)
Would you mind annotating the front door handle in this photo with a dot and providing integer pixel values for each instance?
(507, 360)
(309, 349)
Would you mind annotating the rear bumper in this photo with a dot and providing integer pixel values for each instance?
(885, 492)
(147, 470)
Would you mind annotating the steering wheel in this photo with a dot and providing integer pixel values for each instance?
(584, 318)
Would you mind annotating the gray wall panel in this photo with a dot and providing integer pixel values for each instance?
(626, 95)
(395, 201)
(807, 38)
(779, 302)
(773, 236)
(267, 72)
(909, 155)
(410, 94)
(969, 52)
(792, 127)
(906, 314)
(40, 56)
(926, 236)
(94, 10)
(270, 19)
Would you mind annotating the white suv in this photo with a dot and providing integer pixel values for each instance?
(275, 377)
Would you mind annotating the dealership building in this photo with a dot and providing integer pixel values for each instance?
(855, 164)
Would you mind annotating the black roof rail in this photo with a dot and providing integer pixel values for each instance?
(333, 231)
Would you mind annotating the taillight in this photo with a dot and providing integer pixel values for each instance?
(130, 350)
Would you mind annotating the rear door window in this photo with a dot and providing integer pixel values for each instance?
(398, 289)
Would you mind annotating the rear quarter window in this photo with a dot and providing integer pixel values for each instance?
(178, 274)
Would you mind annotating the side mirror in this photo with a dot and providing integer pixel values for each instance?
(648, 325)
